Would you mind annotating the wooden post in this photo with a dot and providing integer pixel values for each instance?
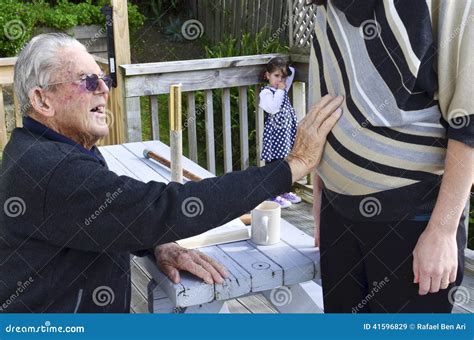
(290, 22)
(3, 126)
(122, 56)
(176, 134)
(259, 119)
(299, 100)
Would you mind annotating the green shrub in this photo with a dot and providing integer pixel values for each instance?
(24, 16)
(17, 22)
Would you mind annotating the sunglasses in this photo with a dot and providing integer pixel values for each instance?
(91, 81)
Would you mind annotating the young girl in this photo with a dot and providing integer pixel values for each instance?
(280, 119)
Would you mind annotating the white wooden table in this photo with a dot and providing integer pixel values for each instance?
(284, 273)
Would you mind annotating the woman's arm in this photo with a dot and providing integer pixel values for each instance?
(435, 257)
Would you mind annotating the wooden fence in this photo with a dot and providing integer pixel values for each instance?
(302, 19)
(232, 17)
(289, 21)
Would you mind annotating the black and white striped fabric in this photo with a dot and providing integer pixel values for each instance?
(406, 70)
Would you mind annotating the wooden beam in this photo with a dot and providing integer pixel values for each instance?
(122, 56)
(3, 128)
(198, 64)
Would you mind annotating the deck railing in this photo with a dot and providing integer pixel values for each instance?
(207, 75)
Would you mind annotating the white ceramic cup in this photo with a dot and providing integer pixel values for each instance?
(266, 223)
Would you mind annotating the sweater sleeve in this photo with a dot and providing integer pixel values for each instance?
(455, 28)
(90, 208)
(270, 102)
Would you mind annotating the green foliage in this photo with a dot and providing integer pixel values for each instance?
(16, 23)
(248, 44)
(160, 7)
(24, 16)
(172, 31)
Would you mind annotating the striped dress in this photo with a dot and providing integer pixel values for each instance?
(406, 70)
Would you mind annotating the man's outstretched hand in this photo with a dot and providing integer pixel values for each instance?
(311, 136)
(171, 258)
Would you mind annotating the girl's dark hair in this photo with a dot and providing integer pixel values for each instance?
(276, 64)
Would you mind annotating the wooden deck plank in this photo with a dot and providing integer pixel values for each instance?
(255, 303)
(134, 164)
(139, 303)
(141, 278)
(115, 165)
(235, 307)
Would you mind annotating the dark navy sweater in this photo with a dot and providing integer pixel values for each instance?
(68, 224)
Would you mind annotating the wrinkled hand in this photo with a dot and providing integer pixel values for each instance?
(311, 136)
(435, 261)
(171, 258)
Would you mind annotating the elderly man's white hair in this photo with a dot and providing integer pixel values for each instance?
(37, 62)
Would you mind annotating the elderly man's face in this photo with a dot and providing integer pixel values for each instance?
(79, 113)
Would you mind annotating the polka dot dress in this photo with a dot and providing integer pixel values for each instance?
(279, 131)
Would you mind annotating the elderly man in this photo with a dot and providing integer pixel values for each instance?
(53, 166)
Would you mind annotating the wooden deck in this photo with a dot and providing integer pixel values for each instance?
(299, 215)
